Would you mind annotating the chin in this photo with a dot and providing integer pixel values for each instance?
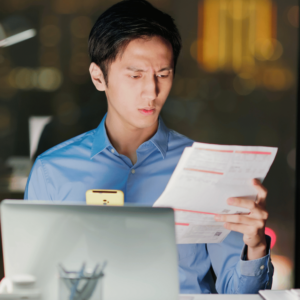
(145, 122)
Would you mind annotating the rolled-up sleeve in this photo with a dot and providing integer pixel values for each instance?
(235, 274)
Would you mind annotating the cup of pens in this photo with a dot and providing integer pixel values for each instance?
(85, 284)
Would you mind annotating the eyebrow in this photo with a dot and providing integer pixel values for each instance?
(134, 69)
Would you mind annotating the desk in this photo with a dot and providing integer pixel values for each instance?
(219, 297)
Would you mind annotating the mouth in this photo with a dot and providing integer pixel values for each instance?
(147, 111)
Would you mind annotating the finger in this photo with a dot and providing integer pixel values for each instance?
(257, 210)
(245, 229)
(261, 191)
(241, 219)
(242, 202)
(259, 213)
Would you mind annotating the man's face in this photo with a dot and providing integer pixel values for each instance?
(139, 82)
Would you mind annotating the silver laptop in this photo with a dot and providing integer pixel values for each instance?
(137, 242)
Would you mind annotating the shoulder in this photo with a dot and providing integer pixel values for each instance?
(74, 147)
(178, 141)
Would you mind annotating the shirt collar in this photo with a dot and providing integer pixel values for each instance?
(161, 138)
(101, 140)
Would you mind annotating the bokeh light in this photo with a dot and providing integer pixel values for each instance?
(293, 16)
(49, 79)
(278, 79)
(23, 78)
(283, 274)
(271, 233)
(268, 49)
(230, 32)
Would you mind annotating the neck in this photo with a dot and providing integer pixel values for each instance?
(125, 137)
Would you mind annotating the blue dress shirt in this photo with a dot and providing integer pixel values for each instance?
(89, 161)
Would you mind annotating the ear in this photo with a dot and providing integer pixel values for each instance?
(97, 77)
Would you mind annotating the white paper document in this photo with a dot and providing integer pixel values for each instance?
(205, 177)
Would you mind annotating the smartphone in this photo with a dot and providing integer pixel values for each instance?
(104, 197)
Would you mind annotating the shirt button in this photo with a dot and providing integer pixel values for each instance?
(112, 150)
(262, 267)
(133, 171)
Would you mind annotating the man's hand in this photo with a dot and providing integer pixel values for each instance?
(251, 225)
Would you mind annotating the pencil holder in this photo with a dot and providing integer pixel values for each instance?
(81, 285)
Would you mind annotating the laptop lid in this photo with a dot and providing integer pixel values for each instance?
(137, 242)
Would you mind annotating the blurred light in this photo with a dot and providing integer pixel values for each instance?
(291, 159)
(22, 78)
(66, 6)
(278, 79)
(266, 49)
(49, 79)
(81, 27)
(283, 275)
(50, 35)
(271, 233)
(5, 118)
(293, 16)
(17, 38)
(230, 32)
(244, 84)
(282, 278)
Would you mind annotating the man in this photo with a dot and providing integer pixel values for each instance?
(134, 49)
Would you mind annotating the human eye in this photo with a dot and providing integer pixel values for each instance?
(135, 76)
(165, 75)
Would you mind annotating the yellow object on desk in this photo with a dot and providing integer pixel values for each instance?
(104, 197)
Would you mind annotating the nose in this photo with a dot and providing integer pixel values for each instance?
(150, 89)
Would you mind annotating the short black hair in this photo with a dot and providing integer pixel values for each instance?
(125, 21)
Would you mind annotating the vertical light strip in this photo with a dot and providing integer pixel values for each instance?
(237, 14)
(232, 32)
(252, 28)
(274, 21)
(201, 22)
(211, 35)
(223, 34)
(263, 20)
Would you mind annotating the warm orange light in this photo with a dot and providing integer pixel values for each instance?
(232, 33)
(283, 272)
